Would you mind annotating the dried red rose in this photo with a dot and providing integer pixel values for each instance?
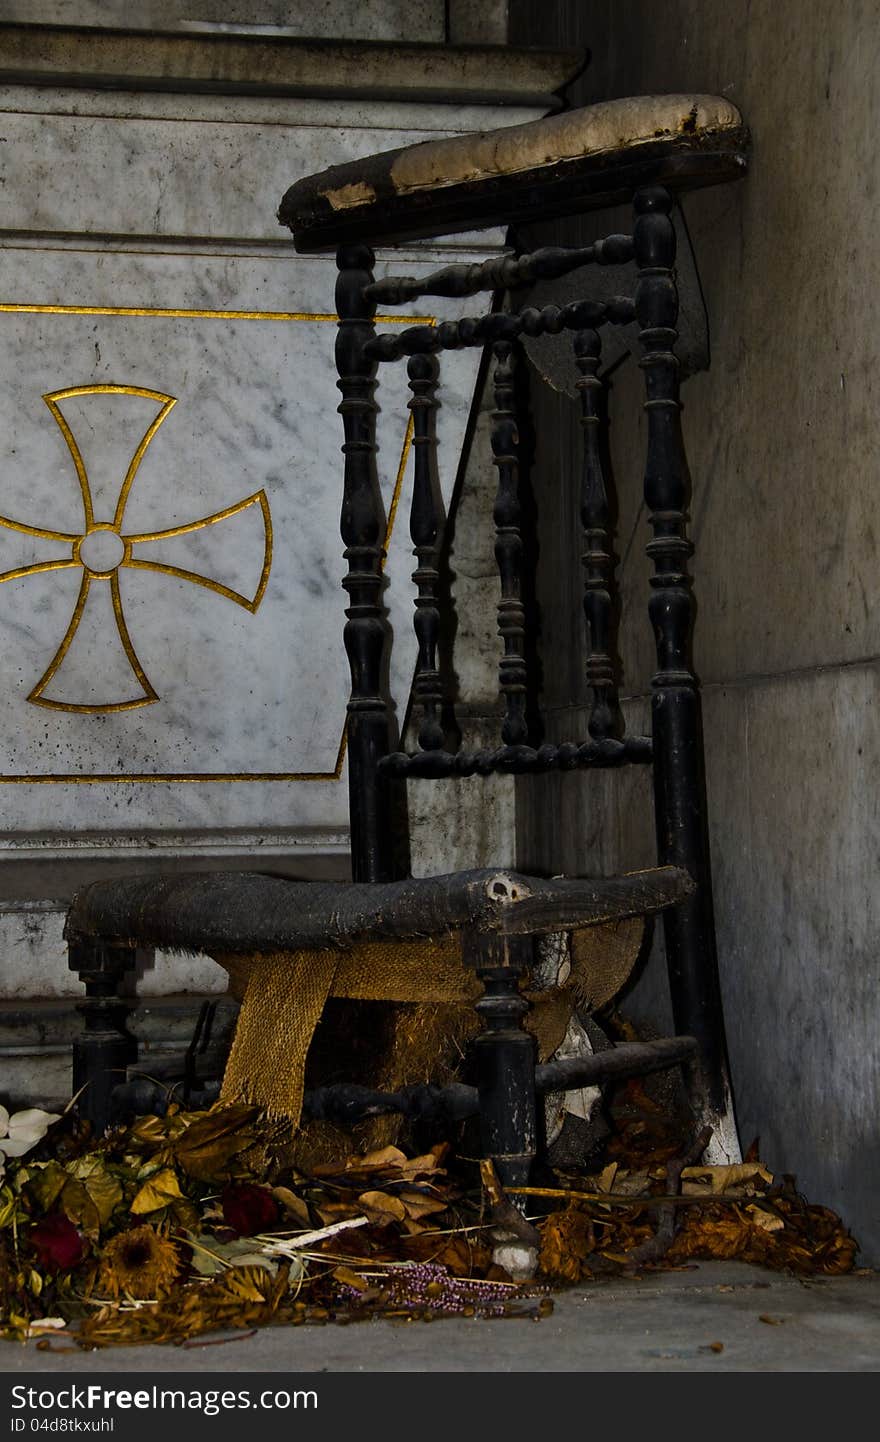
(248, 1208)
(57, 1243)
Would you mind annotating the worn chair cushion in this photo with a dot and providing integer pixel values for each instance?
(247, 912)
(284, 994)
(403, 193)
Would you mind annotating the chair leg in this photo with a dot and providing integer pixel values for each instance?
(505, 1057)
(106, 1048)
(679, 779)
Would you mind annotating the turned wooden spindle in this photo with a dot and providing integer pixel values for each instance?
(502, 272)
(605, 716)
(512, 677)
(679, 781)
(500, 326)
(105, 1048)
(426, 523)
(505, 1055)
(363, 531)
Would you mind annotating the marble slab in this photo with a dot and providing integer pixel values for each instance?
(170, 601)
(421, 20)
(138, 172)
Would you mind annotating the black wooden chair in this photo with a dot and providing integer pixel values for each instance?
(645, 151)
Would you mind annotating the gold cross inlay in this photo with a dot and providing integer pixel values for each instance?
(101, 558)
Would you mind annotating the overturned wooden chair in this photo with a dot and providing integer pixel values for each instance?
(643, 151)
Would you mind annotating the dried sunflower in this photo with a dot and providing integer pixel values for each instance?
(138, 1263)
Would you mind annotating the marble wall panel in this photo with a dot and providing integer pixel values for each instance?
(409, 114)
(145, 170)
(420, 20)
(218, 373)
(141, 262)
(33, 960)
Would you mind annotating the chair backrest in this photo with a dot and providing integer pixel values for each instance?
(644, 151)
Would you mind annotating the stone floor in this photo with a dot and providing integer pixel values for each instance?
(714, 1317)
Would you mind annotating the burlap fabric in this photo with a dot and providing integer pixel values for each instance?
(283, 995)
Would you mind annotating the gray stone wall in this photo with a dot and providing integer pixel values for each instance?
(782, 435)
(454, 22)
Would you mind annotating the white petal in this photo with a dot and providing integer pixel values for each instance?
(17, 1146)
(4, 1121)
(31, 1122)
(46, 1324)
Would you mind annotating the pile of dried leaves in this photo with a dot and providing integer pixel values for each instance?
(175, 1226)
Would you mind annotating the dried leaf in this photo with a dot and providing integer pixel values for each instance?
(210, 1257)
(491, 1184)
(419, 1204)
(331, 1212)
(740, 1179)
(566, 1241)
(413, 1228)
(381, 1208)
(104, 1190)
(384, 1157)
(161, 1189)
(768, 1221)
(246, 1284)
(10, 1208)
(293, 1205)
(604, 1182)
(632, 1184)
(78, 1207)
(388, 1164)
(348, 1278)
(423, 1166)
(148, 1132)
(46, 1181)
(183, 1216)
(207, 1146)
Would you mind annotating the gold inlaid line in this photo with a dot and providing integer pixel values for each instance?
(169, 777)
(186, 313)
(205, 520)
(36, 695)
(183, 574)
(69, 536)
(36, 568)
(169, 403)
(52, 400)
(128, 647)
(250, 603)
